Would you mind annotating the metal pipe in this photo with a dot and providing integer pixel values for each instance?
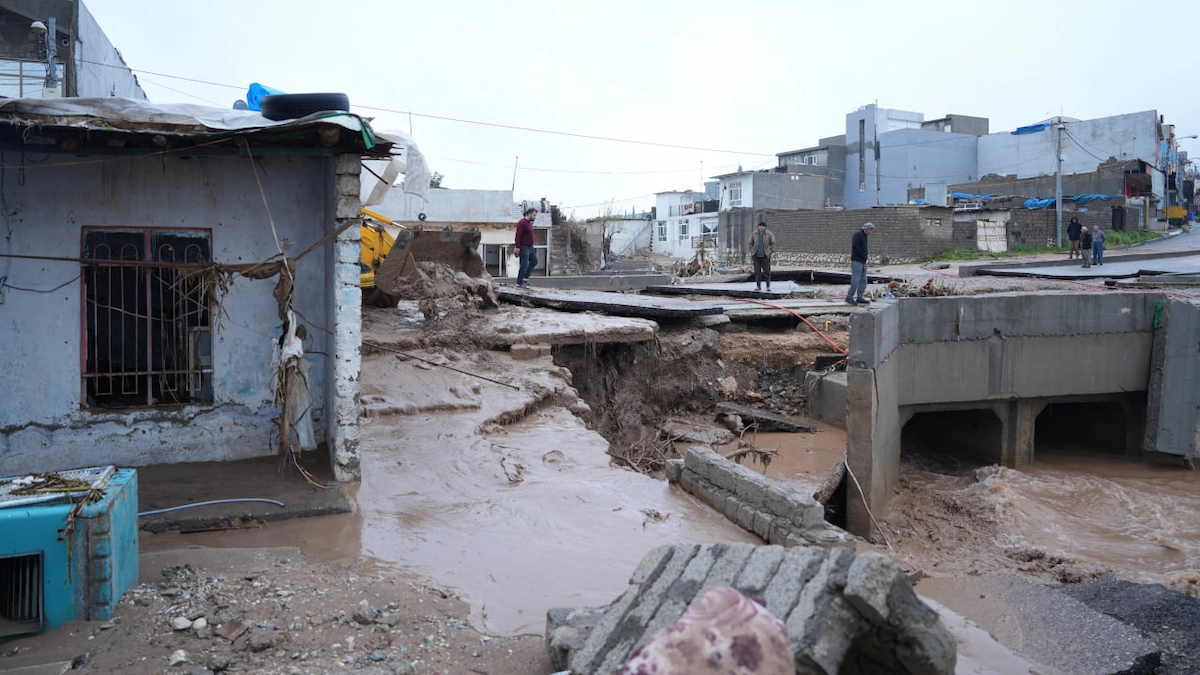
(209, 503)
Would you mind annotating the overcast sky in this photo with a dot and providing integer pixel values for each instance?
(738, 81)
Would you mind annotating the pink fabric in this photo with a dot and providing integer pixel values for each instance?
(722, 632)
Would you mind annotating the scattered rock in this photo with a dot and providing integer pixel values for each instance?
(181, 623)
(178, 656)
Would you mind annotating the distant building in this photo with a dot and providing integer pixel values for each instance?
(87, 63)
(826, 159)
(686, 221)
(889, 151)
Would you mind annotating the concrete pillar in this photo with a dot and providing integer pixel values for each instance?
(346, 324)
(1018, 420)
(860, 449)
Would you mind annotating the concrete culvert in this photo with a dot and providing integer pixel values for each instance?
(1096, 425)
(952, 442)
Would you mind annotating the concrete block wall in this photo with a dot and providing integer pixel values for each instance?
(345, 318)
(902, 233)
(1036, 227)
(773, 510)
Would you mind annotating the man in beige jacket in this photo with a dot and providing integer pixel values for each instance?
(762, 246)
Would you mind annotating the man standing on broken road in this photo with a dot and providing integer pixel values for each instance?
(858, 266)
(762, 246)
(526, 253)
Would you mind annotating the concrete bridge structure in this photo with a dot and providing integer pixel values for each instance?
(994, 372)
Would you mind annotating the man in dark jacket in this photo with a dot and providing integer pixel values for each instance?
(762, 246)
(525, 250)
(1073, 230)
(858, 266)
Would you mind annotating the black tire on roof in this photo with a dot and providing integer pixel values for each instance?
(291, 106)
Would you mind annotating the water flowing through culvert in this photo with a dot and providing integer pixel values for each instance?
(1077, 513)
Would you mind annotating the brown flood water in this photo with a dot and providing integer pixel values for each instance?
(519, 521)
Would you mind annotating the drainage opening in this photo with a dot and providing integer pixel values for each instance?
(953, 442)
(1096, 425)
(20, 595)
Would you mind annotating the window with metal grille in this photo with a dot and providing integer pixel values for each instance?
(146, 338)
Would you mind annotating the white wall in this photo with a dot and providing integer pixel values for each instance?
(1132, 136)
(100, 70)
(43, 425)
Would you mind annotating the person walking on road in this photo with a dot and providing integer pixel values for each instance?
(1085, 246)
(1073, 230)
(762, 246)
(526, 253)
(1098, 238)
(858, 266)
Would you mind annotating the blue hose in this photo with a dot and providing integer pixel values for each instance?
(215, 501)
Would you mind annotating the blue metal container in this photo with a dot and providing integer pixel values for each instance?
(54, 568)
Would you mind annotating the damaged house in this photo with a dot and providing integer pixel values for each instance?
(143, 292)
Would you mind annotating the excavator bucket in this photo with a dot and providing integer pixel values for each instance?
(400, 275)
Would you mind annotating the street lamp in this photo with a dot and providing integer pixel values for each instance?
(50, 89)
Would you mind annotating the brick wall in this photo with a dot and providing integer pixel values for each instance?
(902, 233)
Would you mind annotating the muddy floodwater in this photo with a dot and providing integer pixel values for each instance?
(1077, 513)
(520, 521)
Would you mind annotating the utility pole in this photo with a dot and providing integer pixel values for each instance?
(1058, 184)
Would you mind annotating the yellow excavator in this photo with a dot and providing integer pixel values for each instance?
(388, 265)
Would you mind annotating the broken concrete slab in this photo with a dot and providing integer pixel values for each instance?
(628, 281)
(805, 587)
(689, 432)
(825, 277)
(744, 289)
(766, 420)
(615, 304)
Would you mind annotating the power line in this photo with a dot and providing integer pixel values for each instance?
(459, 120)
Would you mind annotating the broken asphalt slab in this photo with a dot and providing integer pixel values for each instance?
(745, 289)
(1053, 628)
(1113, 268)
(616, 304)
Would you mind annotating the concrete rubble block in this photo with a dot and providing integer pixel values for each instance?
(728, 567)
(623, 620)
(704, 434)
(567, 629)
(763, 524)
(823, 626)
(746, 515)
(793, 505)
(524, 352)
(733, 506)
(347, 164)
(750, 485)
(780, 529)
(698, 459)
(798, 566)
(347, 184)
(674, 470)
(688, 482)
(348, 206)
(685, 589)
(759, 570)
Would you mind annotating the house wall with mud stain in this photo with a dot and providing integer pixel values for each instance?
(48, 420)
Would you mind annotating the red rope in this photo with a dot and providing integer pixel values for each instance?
(797, 315)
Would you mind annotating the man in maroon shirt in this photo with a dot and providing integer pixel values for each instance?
(525, 249)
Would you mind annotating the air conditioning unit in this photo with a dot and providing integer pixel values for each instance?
(62, 559)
